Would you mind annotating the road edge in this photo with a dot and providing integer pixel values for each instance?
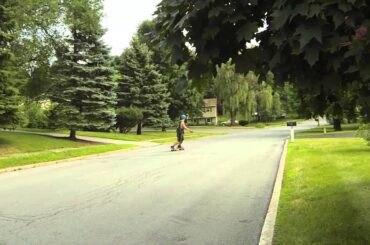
(268, 228)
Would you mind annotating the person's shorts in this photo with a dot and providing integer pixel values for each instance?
(180, 136)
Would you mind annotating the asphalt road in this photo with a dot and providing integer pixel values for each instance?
(215, 192)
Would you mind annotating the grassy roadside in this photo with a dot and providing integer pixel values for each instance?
(346, 128)
(326, 193)
(14, 143)
(46, 156)
(17, 149)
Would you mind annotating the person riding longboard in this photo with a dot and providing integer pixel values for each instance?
(180, 133)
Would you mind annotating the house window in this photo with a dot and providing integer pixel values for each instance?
(208, 109)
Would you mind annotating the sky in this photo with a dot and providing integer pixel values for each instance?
(122, 17)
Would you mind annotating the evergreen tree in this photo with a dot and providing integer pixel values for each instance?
(141, 85)
(85, 88)
(183, 97)
(290, 101)
(8, 83)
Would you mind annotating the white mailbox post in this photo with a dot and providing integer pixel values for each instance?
(291, 125)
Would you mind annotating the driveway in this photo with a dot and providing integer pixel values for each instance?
(215, 192)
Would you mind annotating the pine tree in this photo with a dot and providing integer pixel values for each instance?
(141, 85)
(8, 83)
(85, 89)
(184, 98)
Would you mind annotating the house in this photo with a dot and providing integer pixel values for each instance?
(209, 116)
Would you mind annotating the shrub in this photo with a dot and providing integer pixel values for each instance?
(33, 115)
(364, 132)
(243, 122)
(260, 125)
(127, 118)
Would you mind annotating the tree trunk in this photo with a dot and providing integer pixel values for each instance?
(138, 130)
(121, 130)
(337, 124)
(72, 134)
(232, 119)
(163, 129)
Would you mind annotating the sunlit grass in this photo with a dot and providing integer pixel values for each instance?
(326, 193)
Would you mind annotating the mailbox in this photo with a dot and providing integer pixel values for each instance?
(291, 124)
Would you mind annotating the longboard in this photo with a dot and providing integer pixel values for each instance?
(177, 149)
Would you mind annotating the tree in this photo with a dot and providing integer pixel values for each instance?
(141, 84)
(183, 97)
(290, 101)
(250, 108)
(8, 74)
(40, 32)
(276, 105)
(85, 89)
(265, 102)
(34, 116)
(216, 30)
(127, 118)
(317, 45)
(232, 89)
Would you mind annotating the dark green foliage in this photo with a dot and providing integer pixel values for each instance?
(183, 97)
(289, 98)
(39, 82)
(8, 74)
(85, 89)
(141, 84)
(364, 132)
(276, 105)
(127, 118)
(243, 122)
(34, 116)
(320, 46)
(216, 30)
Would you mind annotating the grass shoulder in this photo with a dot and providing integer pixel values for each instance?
(346, 128)
(18, 149)
(326, 192)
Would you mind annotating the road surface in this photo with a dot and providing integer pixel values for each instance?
(215, 192)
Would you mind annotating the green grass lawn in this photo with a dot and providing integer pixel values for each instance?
(326, 193)
(17, 149)
(12, 143)
(46, 156)
(346, 128)
(145, 136)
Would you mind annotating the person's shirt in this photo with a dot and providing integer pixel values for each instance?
(181, 125)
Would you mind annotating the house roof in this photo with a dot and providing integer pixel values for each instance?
(210, 102)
